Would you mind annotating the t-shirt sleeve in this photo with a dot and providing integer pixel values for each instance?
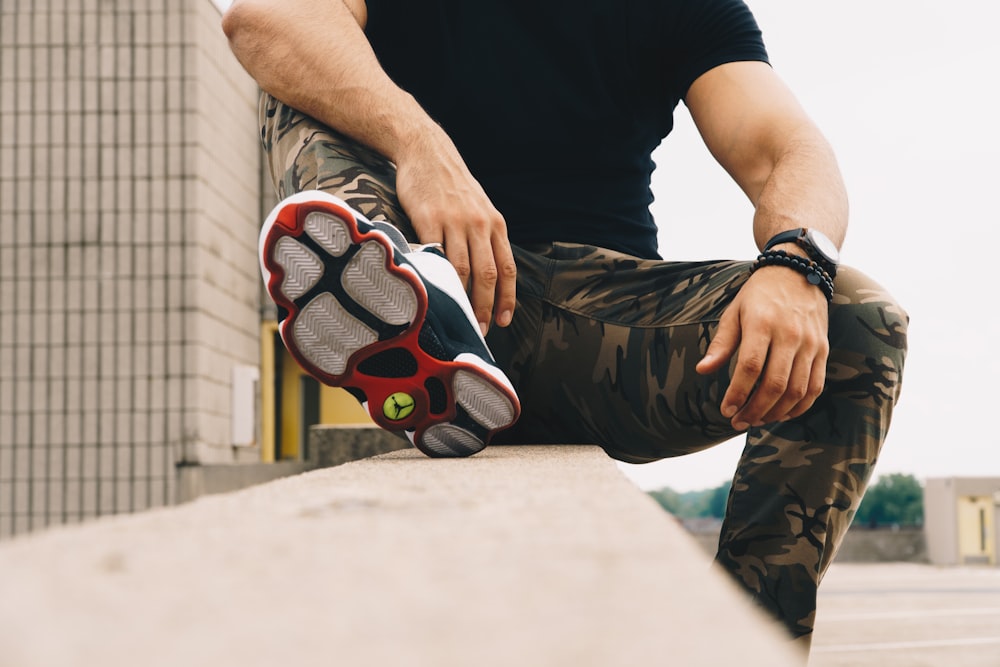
(702, 34)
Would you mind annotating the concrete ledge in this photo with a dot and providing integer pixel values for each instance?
(518, 556)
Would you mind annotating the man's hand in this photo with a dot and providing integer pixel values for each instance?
(447, 205)
(778, 323)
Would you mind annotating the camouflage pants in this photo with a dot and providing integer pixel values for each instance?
(603, 349)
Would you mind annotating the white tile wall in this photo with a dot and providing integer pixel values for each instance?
(130, 194)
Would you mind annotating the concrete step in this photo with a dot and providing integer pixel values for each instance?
(542, 556)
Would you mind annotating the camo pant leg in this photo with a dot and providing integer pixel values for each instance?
(603, 350)
(799, 483)
(303, 154)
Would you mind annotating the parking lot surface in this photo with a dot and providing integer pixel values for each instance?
(908, 615)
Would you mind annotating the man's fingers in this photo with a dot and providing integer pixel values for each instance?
(789, 386)
(750, 364)
(483, 275)
(506, 287)
(456, 249)
(724, 343)
(815, 386)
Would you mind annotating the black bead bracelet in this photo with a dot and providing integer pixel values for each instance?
(814, 273)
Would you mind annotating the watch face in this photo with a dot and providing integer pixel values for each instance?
(824, 245)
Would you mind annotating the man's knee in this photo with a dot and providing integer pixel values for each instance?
(868, 335)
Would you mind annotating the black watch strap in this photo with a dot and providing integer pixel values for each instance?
(789, 236)
(803, 237)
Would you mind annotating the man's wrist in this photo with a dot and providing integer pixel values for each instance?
(813, 272)
(417, 136)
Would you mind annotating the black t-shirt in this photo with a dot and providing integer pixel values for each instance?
(557, 105)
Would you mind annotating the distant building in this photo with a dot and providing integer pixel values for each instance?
(962, 520)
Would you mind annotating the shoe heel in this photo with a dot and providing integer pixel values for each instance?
(448, 440)
(484, 401)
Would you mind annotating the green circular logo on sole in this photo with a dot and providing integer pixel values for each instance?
(398, 406)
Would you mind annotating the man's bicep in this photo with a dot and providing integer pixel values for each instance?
(747, 116)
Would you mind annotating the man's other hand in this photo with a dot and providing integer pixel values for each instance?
(777, 327)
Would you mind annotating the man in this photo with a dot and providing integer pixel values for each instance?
(515, 137)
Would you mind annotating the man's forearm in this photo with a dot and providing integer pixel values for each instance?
(314, 56)
(760, 134)
(803, 189)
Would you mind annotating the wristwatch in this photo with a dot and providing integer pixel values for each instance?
(817, 245)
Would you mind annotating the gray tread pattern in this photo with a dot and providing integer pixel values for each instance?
(329, 231)
(300, 265)
(327, 335)
(367, 280)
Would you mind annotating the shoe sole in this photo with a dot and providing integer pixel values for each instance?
(355, 314)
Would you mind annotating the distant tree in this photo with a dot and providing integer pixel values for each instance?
(694, 504)
(895, 499)
(669, 500)
(718, 500)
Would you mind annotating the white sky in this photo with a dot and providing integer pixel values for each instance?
(907, 93)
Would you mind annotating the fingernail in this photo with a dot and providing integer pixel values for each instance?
(505, 318)
(728, 410)
(483, 327)
(741, 426)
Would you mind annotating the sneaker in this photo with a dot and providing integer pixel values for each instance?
(359, 308)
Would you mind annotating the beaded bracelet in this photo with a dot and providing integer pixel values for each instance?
(814, 273)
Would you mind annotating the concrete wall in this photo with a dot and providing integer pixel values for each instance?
(129, 198)
(861, 545)
(225, 218)
(883, 545)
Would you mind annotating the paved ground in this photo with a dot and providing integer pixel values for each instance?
(896, 615)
